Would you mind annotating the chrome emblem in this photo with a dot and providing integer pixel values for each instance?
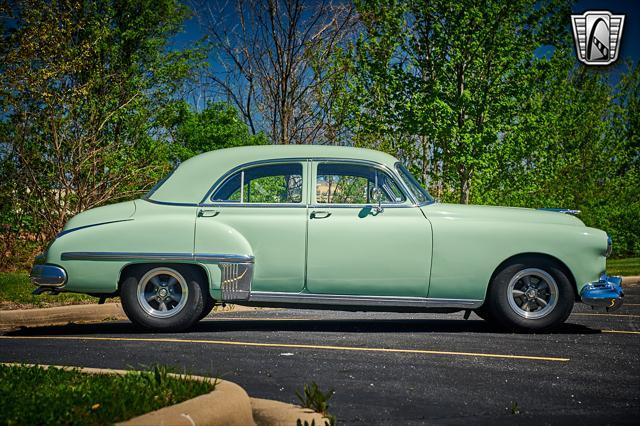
(597, 35)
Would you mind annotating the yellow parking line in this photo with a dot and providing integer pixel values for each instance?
(258, 319)
(606, 315)
(292, 346)
(620, 331)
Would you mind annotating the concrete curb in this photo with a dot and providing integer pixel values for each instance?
(630, 280)
(61, 315)
(275, 413)
(227, 405)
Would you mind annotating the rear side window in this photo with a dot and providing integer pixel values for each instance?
(353, 183)
(268, 184)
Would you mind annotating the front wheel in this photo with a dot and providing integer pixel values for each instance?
(530, 294)
(163, 298)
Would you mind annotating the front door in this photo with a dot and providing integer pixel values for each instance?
(356, 248)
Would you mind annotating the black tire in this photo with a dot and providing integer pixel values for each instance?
(484, 313)
(539, 280)
(187, 311)
(209, 303)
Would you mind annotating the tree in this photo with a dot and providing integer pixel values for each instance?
(444, 79)
(82, 85)
(269, 57)
(218, 126)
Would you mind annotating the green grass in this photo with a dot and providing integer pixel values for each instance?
(34, 395)
(16, 288)
(630, 266)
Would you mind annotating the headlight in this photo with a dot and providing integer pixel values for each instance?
(607, 253)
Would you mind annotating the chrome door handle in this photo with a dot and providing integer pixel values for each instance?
(320, 215)
(208, 213)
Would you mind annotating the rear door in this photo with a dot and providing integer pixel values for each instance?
(264, 204)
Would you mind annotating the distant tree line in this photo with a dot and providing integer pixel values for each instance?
(484, 103)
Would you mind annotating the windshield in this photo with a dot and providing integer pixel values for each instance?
(421, 195)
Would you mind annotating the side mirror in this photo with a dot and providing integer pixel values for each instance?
(376, 196)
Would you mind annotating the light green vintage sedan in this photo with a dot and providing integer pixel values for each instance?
(325, 228)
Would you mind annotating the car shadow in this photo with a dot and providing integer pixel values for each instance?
(425, 326)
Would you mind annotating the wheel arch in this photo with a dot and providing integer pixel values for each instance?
(200, 269)
(546, 256)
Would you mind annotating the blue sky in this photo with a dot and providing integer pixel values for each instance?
(629, 49)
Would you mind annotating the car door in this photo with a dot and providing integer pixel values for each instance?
(265, 205)
(356, 248)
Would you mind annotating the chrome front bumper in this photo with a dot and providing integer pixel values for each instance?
(606, 293)
(48, 276)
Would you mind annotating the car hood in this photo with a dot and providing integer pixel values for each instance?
(105, 214)
(492, 213)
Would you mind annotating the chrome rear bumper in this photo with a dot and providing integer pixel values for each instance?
(48, 276)
(606, 293)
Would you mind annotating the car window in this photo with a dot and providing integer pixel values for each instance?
(268, 184)
(341, 183)
(418, 191)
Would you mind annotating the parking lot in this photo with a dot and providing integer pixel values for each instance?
(385, 368)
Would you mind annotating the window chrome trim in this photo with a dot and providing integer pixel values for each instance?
(409, 198)
(429, 200)
(360, 300)
(206, 202)
(359, 206)
(261, 205)
(127, 256)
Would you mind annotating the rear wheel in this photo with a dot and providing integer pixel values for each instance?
(209, 303)
(530, 293)
(163, 298)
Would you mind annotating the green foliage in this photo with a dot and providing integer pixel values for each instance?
(624, 267)
(81, 87)
(462, 94)
(217, 126)
(316, 400)
(35, 395)
(16, 289)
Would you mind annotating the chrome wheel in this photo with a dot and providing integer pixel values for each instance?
(532, 293)
(162, 292)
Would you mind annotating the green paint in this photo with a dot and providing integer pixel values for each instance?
(438, 250)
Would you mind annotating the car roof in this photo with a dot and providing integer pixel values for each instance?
(193, 178)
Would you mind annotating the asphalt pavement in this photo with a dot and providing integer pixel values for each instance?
(392, 369)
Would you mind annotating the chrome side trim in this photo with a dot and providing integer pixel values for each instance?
(217, 258)
(339, 299)
(48, 276)
(127, 256)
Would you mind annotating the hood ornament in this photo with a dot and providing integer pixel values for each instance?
(565, 211)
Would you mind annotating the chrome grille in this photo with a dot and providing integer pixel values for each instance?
(235, 280)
